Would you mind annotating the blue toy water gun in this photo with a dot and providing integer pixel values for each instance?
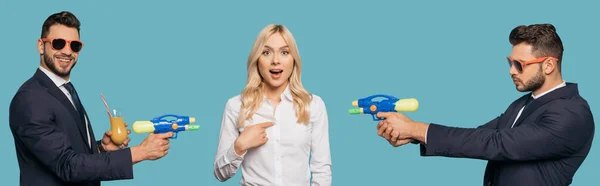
(161, 125)
(390, 104)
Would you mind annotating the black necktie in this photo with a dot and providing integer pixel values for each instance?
(76, 101)
(528, 102)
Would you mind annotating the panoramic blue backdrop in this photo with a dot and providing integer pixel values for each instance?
(189, 57)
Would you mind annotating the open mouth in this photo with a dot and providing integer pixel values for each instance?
(275, 73)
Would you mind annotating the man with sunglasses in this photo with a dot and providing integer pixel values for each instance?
(541, 139)
(52, 133)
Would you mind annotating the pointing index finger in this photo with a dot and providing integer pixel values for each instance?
(268, 124)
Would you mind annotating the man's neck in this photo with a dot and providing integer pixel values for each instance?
(551, 82)
(66, 78)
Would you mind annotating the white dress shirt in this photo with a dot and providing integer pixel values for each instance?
(538, 96)
(284, 158)
(60, 83)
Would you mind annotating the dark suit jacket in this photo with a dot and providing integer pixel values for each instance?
(548, 143)
(51, 141)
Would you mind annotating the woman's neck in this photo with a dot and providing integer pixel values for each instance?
(273, 94)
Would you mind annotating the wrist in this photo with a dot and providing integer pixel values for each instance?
(420, 131)
(137, 154)
(100, 146)
(238, 147)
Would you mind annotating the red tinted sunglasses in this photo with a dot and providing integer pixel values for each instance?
(60, 43)
(520, 64)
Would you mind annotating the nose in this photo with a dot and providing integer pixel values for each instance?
(275, 60)
(513, 70)
(66, 50)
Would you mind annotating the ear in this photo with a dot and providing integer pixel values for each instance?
(549, 66)
(40, 46)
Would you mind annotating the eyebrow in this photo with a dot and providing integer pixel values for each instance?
(516, 58)
(267, 46)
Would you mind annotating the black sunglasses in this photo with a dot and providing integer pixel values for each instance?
(60, 43)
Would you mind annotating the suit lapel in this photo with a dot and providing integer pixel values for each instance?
(62, 98)
(514, 110)
(91, 132)
(537, 103)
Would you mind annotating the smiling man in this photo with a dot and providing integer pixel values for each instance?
(541, 139)
(52, 133)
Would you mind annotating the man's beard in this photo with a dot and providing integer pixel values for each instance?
(534, 83)
(50, 63)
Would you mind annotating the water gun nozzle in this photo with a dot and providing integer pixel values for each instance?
(356, 111)
(193, 127)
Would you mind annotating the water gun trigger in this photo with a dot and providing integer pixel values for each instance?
(174, 126)
(375, 118)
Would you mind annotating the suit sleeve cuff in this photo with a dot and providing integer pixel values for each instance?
(426, 130)
(234, 157)
(430, 148)
(125, 163)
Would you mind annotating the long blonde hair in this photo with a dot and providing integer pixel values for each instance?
(253, 93)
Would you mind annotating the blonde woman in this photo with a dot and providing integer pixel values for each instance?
(275, 125)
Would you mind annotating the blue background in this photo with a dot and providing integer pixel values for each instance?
(188, 58)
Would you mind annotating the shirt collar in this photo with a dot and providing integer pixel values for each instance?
(57, 80)
(548, 91)
(287, 94)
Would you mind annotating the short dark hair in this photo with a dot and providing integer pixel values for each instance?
(542, 37)
(64, 18)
